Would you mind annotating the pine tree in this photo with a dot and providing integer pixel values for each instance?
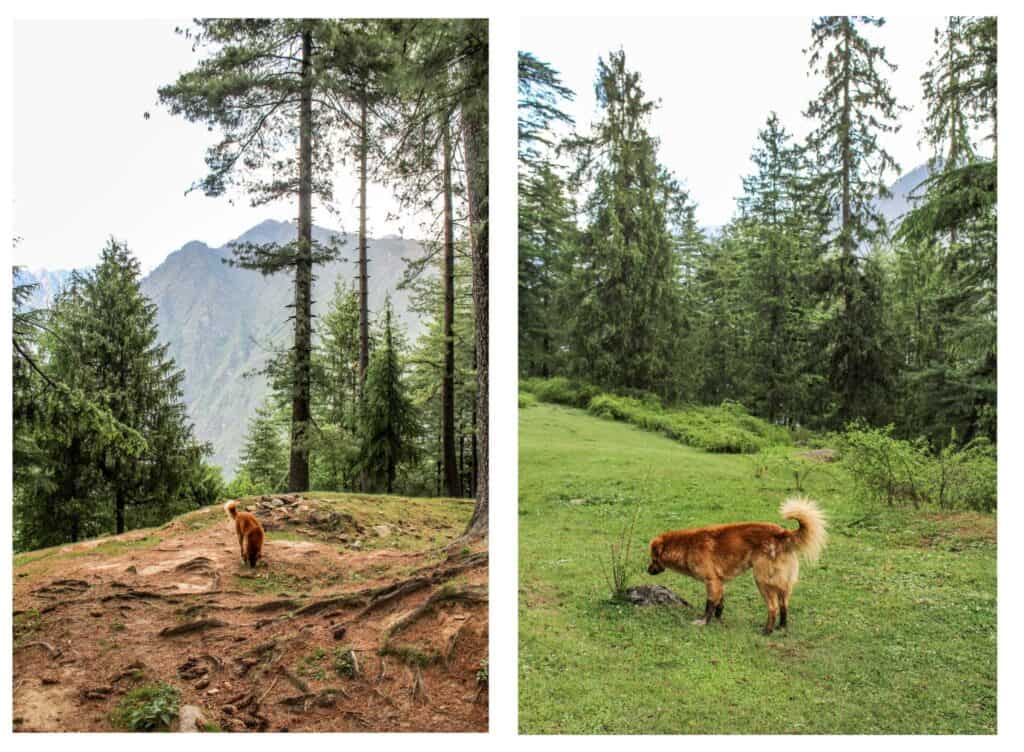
(139, 384)
(434, 85)
(263, 85)
(112, 447)
(854, 108)
(547, 236)
(388, 426)
(546, 229)
(625, 276)
(777, 230)
(955, 224)
(264, 456)
(337, 391)
(361, 67)
(475, 140)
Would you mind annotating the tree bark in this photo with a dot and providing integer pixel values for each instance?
(119, 505)
(298, 468)
(448, 458)
(475, 146)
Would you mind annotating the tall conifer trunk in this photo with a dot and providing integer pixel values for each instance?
(298, 470)
(448, 458)
(474, 136)
(364, 328)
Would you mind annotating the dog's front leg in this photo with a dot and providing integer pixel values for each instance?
(713, 602)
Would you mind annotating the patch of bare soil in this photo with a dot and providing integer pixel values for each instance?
(823, 456)
(319, 637)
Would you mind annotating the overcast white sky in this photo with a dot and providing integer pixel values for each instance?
(87, 165)
(718, 78)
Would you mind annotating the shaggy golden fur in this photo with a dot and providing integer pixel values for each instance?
(718, 553)
(250, 533)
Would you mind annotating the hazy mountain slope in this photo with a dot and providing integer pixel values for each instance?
(220, 322)
(48, 283)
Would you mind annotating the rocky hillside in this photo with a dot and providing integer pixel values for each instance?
(357, 619)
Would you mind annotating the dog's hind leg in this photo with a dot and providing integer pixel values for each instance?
(771, 597)
(720, 608)
(783, 608)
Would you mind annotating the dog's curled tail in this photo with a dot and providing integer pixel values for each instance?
(810, 538)
(231, 508)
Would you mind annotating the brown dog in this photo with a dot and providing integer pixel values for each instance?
(717, 553)
(250, 533)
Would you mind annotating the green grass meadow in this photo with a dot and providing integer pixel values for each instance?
(893, 632)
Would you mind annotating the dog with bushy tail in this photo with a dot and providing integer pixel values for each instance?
(717, 553)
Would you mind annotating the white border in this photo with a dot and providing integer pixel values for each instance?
(503, 362)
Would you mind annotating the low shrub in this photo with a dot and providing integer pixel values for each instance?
(152, 707)
(560, 390)
(527, 400)
(726, 429)
(895, 471)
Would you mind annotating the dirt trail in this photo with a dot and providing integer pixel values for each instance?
(325, 635)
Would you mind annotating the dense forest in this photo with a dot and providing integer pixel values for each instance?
(102, 441)
(808, 308)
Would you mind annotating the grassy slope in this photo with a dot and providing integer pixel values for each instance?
(894, 632)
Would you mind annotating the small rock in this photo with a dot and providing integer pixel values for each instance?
(212, 692)
(190, 718)
(203, 683)
(654, 595)
(382, 531)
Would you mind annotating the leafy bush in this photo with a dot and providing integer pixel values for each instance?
(527, 400)
(884, 468)
(561, 391)
(149, 708)
(965, 479)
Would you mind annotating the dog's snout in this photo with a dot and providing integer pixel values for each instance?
(655, 568)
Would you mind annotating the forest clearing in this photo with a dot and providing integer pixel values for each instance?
(893, 632)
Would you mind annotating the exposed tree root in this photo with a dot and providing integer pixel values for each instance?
(139, 595)
(55, 653)
(281, 604)
(398, 590)
(62, 587)
(471, 595)
(294, 680)
(193, 626)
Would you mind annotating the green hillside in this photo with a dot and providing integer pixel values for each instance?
(893, 632)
